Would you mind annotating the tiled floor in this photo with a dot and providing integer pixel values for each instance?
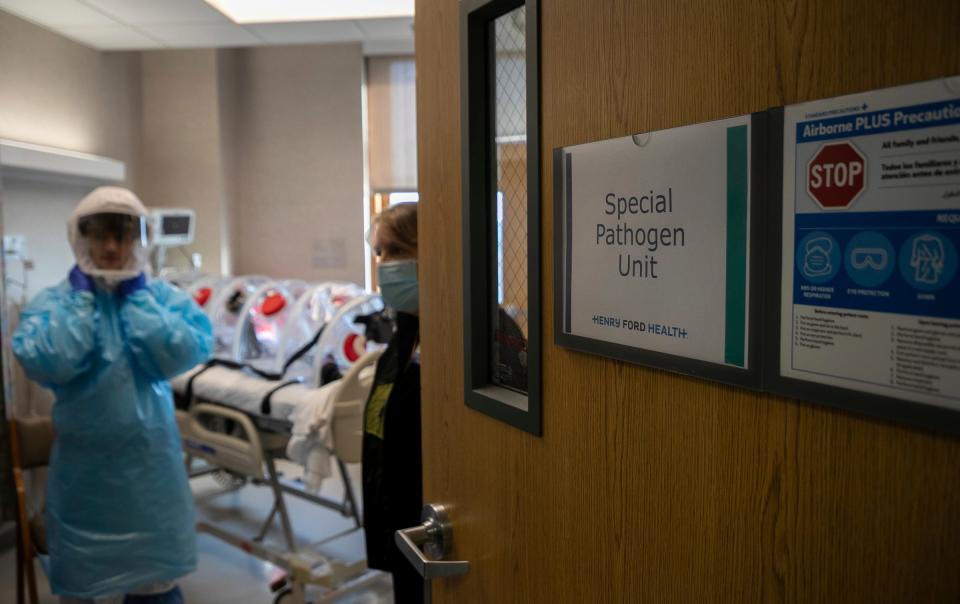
(227, 575)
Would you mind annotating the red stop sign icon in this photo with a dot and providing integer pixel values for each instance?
(836, 175)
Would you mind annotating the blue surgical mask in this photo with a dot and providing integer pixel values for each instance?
(399, 285)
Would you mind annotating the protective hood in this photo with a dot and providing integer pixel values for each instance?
(109, 200)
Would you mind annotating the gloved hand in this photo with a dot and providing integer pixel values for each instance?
(79, 280)
(125, 288)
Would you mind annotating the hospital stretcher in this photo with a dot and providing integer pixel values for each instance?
(258, 413)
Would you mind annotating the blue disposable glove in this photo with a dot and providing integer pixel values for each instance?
(125, 288)
(80, 281)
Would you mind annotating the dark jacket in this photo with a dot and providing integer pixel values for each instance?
(392, 470)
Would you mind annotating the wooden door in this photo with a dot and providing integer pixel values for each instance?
(648, 486)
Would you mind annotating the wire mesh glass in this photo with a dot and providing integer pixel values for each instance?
(509, 308)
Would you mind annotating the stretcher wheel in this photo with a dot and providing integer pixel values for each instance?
(229, 480)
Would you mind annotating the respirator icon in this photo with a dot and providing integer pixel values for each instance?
(816, 260)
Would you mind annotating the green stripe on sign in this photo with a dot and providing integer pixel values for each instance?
(733, 352)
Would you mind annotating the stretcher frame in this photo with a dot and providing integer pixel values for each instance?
(251, 451)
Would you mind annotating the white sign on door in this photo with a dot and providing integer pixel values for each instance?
(656, 243)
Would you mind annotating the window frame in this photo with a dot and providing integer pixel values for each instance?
(478, 158)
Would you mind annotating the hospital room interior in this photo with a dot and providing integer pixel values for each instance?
(261, 152)
(300, 303)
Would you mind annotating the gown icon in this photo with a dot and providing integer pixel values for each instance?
(927, 259)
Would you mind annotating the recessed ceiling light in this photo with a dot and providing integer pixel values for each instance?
(279, 11)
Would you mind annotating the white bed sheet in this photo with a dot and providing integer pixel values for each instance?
(245, 392)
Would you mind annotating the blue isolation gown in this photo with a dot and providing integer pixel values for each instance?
(119, 511)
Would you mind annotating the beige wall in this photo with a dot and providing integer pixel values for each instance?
(181, 156)
(266, 145)
(228, 86)
(299, 209)
(56, 92)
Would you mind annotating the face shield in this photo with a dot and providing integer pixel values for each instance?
(110, 235)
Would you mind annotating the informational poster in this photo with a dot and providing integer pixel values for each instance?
(656, 245)
(870, 295)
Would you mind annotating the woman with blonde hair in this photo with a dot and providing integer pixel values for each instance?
(392, 471)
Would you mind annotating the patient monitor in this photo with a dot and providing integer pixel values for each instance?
(173, 226)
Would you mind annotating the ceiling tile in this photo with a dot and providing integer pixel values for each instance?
(147, 12)
(56, 13)
(116, 37)
(201, 36)
(393, 29)
(305, 33)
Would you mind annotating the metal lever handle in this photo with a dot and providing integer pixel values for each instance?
(435, 534)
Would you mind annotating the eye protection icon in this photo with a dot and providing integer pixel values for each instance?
(869, 257)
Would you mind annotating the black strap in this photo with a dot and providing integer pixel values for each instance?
(268, 375)
(303, 350)
(188, 394)
(265, 403)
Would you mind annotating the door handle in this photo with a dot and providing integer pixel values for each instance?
(435, 535)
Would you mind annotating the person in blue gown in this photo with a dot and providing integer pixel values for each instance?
(120, 519)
